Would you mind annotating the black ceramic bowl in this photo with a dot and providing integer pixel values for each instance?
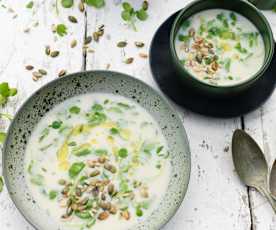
(242, 7)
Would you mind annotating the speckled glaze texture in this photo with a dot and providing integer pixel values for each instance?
(86, 82)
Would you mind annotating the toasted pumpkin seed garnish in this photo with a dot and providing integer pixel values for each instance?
(129, 60)
(37, 74)
(72, 19)
(122, 44)
(139, 44)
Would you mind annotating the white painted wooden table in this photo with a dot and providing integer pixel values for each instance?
(216, 199)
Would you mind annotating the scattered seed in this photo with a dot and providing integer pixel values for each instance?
(145, 5)
(54, 28)
(125, 214)
(27, 30)
(113, 209)
(81, 6)
(96, 36)
(89, 50)
(73, 19)
(42, 71)
(102, 159)
(129, 60)
(105, 205)
(73, 43)
(108, 65)
(37, 74)
(87, 40)
(62, 73)
(139, 44)
(110, 168)
(103, 215)
(95, 173)
(69, 211)
(29, 67)
(35, 78)
(111, 189)
(47, 50)
(122, 44)
(54, 53)
(143, 55)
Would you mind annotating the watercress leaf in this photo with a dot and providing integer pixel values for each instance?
(186, 24)
(126, 6)
(2, 137)
(96, 118)
(75, 169)
(3, 100)
(61, 30)
(126, 15)
(1, 184)
(56, 124)
(12, 92)
(53, 194)
(97, 107)
(96, 3)
(142, 14)
(123, 153)
(67, 3)
(30, 5)
(5, 89)
(159, 149)
(74, 110)
(183, 38)
(114, 131)
(83, 214)
(37, 180)
(139, 212)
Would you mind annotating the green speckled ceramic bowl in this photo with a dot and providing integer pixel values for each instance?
(242, 7)
(86, 82)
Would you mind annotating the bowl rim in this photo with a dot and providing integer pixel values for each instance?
(250, 80)
(54, 81)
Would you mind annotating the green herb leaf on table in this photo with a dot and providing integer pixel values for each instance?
(61, 30)
(96, 3)
(2, 137)
(67, 3)
(30, 5)
(56, 124)
(123, 153)
(1, 184)
(53, 194)
(142, 14)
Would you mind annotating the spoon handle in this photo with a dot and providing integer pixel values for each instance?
(268, 197)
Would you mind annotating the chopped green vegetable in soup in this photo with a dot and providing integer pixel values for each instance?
(90, 166)
(220, 47)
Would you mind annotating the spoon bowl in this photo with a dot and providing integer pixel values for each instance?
(250, 163)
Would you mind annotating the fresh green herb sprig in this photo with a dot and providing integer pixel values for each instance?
(130, 15)
(96, 3)
(67, 3)
(61, 30)
(6, 92)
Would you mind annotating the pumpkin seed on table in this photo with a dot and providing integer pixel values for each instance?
(72, 19)
(122, 44)
(88, 40)
(81, 6)
(29, 67)
(62, 73)
(47, 50)
(139, 44)
(143, 55)
(73, 43)
(54, 53)
(42, 71)
(129, 60)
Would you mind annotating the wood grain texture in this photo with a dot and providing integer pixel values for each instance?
(216, 199)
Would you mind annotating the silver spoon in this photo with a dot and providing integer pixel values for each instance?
(272, 181)
(250, 164)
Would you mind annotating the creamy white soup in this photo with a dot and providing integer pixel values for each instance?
(96, 161)
(220, 47)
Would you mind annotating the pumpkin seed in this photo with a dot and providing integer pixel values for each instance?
(61, 73)
(72, 19)
(29, 67)
(54, 53)
(42, 71)
(37, 74)
(125, 214)
(95, 173)
(103, 215)
(122, 44)
(139, 44)
(143, 55)
(87, 40)
(113, 209)
(129, 60)
(73, 43)
(145, 5)
(61, 182)
(111, 189)
(81, 6)
(96, 36)
(110, 168)
(47, 50)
